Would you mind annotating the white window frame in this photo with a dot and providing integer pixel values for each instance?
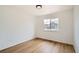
(51, 22)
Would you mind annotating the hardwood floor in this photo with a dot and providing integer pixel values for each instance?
(40, 46)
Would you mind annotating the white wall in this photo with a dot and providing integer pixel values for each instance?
(65, 33)
(15, 26)
(76, 28)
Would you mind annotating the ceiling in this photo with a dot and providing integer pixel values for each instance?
(46, 9)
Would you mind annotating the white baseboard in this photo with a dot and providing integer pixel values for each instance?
(13, 44)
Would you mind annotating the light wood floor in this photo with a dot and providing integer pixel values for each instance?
(40, 46)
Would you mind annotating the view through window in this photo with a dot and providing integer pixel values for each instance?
(51, 24)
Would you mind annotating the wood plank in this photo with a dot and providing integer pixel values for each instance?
(38, 45)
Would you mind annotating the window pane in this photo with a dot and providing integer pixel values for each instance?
(54, 23)
(47, 24)
(47, 21)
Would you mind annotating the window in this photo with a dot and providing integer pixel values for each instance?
(51, 24)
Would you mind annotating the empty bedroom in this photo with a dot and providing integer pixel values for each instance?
(39, 29)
